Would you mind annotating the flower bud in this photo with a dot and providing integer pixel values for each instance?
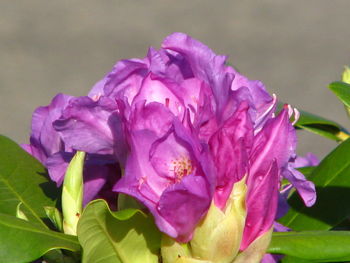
(346, 75)
(218, 236)
(72, 194)
(345, 78)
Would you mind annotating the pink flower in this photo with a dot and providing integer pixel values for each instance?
(186, 128)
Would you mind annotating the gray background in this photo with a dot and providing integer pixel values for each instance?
(295, 47)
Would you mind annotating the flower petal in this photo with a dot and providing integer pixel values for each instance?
(305, 188)
(184, 204)
(261, 204)
(91, 126)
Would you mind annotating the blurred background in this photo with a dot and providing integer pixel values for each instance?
(295, 47)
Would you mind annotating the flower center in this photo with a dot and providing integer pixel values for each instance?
(181, 167)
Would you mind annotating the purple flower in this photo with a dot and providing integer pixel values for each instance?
(186, 127)
(47, 145)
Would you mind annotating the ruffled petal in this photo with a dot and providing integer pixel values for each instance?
(91, 126)
(309, 160)
(305, 188)
(205, 64)
(44, 138)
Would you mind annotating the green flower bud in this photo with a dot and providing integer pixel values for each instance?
(345, 78)
(218, 236)
(72, 194)
(346, 75)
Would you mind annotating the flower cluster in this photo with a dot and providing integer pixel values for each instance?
(184, 129)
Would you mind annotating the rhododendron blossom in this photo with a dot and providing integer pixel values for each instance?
(186, 128)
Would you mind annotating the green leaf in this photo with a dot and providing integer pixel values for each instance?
(289, 259)
(332, 183)
(23, 241)
(314, 246)
(127, 236)
(342, 91)
(19, 212)
(56, 256)
(127, 201)
(23, 180)
(55, 217)
(321, 126)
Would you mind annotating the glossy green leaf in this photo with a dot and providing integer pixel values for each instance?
(56, 256)
(19, 212)
(332, 182)
(321, 126)
(23, 241)
(127, 236)
(55, 217)
(127, 201)
(342, 91)
(23, 180)
(314, 246)
(289, 259)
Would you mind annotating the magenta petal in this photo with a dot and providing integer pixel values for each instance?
(276, 141)
(261, 204)
(184, 204)
(230, 147)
